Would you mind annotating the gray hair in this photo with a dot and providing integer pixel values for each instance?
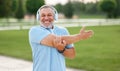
(47, 6)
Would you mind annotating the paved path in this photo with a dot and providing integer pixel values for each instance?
(12, 64)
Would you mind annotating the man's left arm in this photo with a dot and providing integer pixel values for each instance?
(67, 50)
(69, 53)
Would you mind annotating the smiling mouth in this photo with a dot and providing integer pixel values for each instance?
(46, 21)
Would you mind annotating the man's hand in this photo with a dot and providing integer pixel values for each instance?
(59, 43)
(85, 34)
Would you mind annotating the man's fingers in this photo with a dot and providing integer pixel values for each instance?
(64, 42)
(82, 29)
(90, 32)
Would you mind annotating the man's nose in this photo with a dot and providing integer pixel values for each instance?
(46, 17)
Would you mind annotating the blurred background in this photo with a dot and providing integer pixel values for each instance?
(23, 12)
(99, 53)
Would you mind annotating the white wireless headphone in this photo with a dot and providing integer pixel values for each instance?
(47, 6)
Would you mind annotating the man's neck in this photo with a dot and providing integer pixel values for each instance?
(50, 26)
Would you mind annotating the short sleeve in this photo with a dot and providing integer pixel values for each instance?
(36, 35)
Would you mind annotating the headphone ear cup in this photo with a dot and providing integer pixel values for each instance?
(56, 14)
(38, 16)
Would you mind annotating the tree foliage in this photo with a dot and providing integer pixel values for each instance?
(33, 5)
(59, 8)
(111, 7)
(116, 12)
(5, 8)
(78, 7)
(14, 7)
(108, 6)
(91, 8)
(20, 10)
(68, 10)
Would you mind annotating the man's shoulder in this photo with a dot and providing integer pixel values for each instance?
(36, 28)
(60, 28)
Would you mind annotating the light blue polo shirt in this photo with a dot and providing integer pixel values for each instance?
(46, 58)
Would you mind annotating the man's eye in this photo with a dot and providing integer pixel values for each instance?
(42, 15)
(49, 15)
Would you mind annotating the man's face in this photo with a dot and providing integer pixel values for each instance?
(46, 16)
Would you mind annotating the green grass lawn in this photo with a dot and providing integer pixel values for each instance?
(99, 53)
(15, 43)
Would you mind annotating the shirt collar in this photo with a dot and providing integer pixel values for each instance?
(49, 27)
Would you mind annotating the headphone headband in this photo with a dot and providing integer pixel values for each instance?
(47, 6)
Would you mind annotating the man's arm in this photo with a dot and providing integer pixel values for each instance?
(69, 53)
(59, 42)
(49, 40)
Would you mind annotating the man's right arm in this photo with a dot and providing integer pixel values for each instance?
(49, 40)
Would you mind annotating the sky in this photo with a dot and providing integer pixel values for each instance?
(53, 2)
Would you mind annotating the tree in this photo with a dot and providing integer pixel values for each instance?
(33, 5)
(116, 12)
(59, 8)
(91, 8)
(78, 7)
(5, 8)
(14, 7)
(108, 6)
(68, 10)
(20, 10)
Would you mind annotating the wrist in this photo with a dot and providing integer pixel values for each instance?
(62, 51)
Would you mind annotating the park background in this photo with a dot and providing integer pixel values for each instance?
(99, 53)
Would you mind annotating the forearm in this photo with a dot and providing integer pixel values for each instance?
(69, 53)
(49, 40)
(71, 38)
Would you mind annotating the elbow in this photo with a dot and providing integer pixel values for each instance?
(72, 56)
(69, 53)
